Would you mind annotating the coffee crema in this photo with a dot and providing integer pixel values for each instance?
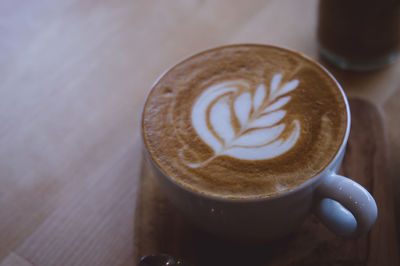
(244, 121)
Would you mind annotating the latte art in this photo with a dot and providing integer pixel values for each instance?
(244, 121)
(257, 114)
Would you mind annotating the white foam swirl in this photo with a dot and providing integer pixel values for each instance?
(259, 112)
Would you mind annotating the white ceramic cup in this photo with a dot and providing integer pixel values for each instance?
(343, 205)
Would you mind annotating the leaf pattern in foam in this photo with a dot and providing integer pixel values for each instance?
(259, 136)
(259, 96)
(286, 88)
(273, 149)
(276, 80)
(277, 104)
(242, 107)
(268, 120)
(220, 119)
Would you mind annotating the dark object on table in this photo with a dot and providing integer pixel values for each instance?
(359, 34)
(161, 260)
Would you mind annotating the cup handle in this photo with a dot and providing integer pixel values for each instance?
(344, 206)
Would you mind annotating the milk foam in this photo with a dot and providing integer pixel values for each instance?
(259, 113)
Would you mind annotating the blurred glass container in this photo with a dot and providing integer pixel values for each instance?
(359, 35)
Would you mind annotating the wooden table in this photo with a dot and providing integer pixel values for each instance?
(73, 75)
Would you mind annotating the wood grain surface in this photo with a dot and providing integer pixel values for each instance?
(160, 228)
(73, 76)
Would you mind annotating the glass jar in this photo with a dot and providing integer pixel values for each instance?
(359, 34)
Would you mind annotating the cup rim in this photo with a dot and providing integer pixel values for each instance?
(285, 193)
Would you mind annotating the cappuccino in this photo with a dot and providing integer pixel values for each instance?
(244, 121)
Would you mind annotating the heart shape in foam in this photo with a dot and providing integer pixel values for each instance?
(239, 121)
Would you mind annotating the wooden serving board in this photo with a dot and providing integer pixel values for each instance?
(159, 228)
